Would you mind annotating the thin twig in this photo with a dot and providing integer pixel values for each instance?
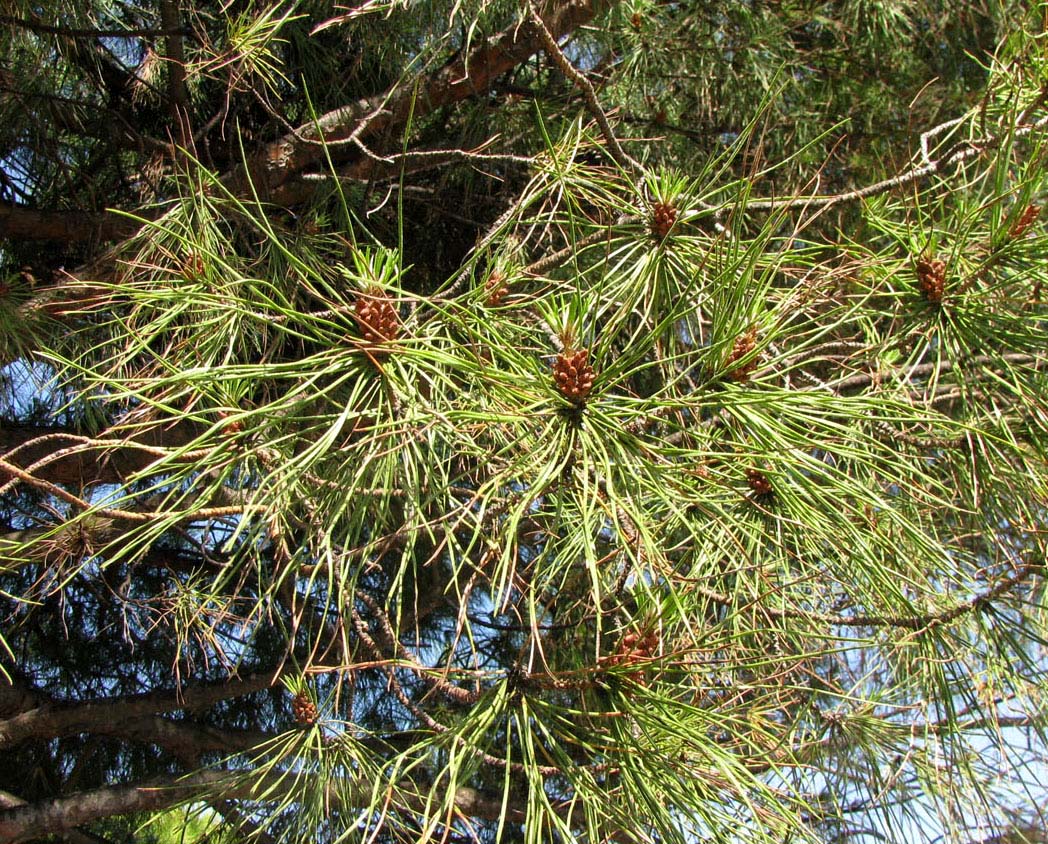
(957, 154)
(550, 261)
(917, 622)
(74, 32)
(400, 651)
(549, 43)
(113, 513)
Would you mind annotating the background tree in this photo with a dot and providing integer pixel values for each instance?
(485, 421)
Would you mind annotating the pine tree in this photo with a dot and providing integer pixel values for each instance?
(492, 422)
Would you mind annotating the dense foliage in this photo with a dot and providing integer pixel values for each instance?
(481, 421)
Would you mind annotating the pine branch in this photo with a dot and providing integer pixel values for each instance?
(336, 133)
(60, 456)
(182, 738)
(955, 155)
(54, 720)
(56, 816)
(549, 44)
(89, 33)
(185, 740)
(17, 222)
(177, 97)
(70, 836)
(852, 383)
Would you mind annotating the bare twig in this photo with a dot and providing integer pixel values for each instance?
(74, 32)
(915, 622)
(549, 43)
(955, 155)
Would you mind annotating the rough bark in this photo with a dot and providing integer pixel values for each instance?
(54, 720)
(309, 145)
(170, 19)
(64, 457)
(272, 171)
(72, 836)
(51, 817)
(90, 33)
(186, 741)
(19, 222)
(16, 698)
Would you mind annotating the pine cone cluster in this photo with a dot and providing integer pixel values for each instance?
(377, 317)
(633, 650)
(663, 216)
(230, 425)
(192, 267)
(304, 710)
(744, 344)
(931, 275)
(495, 288)
(1027, 219)
(573, 375)
(758, 482)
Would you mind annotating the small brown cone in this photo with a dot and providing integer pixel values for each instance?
(229, 425)
(758, 482)
(377, 317)
(931, 276)
(1026, 219)
(304, 710)
(634, 651)
(573, 375)
(663, 216)
(192, 267)
(495, 288)
(744, 344)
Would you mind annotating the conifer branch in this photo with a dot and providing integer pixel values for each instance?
(549, 44)
(955, 155)
(52, 720)
(61, 814)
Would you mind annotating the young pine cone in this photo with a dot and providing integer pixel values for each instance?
(744, 344)
(758, 482)
(663, 216)
(634, 651)
(304, 710)
(377, 317)
(573, 375)
(1027, 219)
(931, 275)
(635, 648)
(229, 425)
(192, 267)
(495, 288)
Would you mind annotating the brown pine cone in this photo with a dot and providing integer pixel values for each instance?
(744, 344)
(663, 216)
(192, 267)
(1027, 219)
(931, 275)
(304, 710)
(230, 425)
(495, 288)
(634, 651)
(573, 375)
(377, 317)
(758, 482)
